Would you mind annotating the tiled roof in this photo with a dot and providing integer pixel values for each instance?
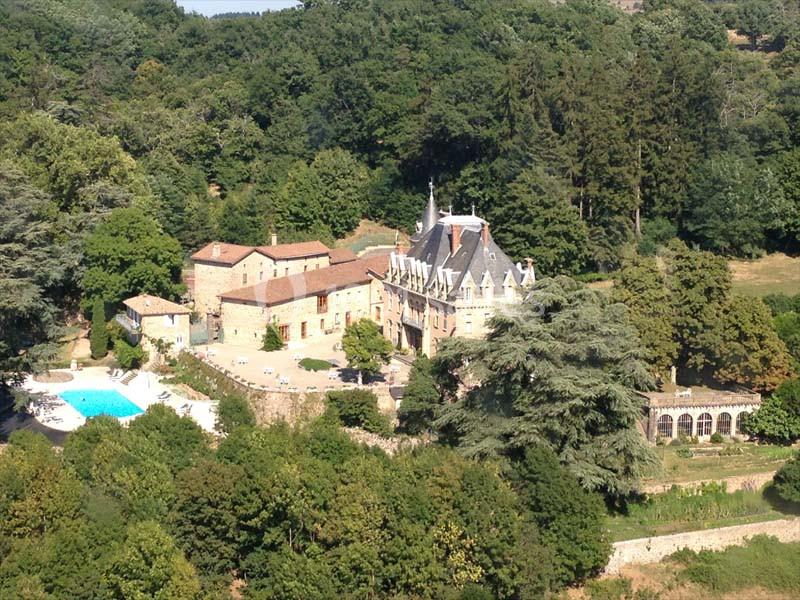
(341, 255)
(298, 250)
(147, 305)
(310, 283)
(222, 253)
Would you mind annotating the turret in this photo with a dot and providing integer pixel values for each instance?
(431, 215)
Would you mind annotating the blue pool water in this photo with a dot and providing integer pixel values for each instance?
(91, 403)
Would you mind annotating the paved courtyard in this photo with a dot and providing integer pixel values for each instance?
(280, 369)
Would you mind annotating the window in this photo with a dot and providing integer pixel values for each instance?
(704, 424)
(685, 425)
(179, 340)
(286, 273)
(305, 268)
(169, 320)
(486, 317)
(303, 330)
(347, 318)
(284, 331)
(322, 304)
(724, 424)
(467, 294)
(274, 273)
(261, 275)
(740, 421)
(468, 327)
(336, 319)
(244, 278)
(322, 324)
(378, 314)
(436, 319)
(389, 299)
(444, 322)
(664, 426)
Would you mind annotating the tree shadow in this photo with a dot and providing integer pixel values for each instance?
(770, 494)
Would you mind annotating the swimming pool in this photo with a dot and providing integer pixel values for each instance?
(91, 403)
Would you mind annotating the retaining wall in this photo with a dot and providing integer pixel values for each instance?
(753, 481)
(654, 549)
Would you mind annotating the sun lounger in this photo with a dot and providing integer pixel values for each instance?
(269, 370)
(333, 374)
(283, 380)
(297, 357)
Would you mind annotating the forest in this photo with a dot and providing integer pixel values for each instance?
(646, 147)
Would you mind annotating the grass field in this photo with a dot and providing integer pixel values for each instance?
(369, 233)
(708, 464)
(773, 274)
(691, 510)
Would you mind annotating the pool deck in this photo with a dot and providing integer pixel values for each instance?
(50, 410)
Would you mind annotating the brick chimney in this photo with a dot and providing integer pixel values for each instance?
(216, 250)
(485, 235)
(455, 239)
(274, 239)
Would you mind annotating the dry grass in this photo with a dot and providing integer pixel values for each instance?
(772, 274)
(368, 233)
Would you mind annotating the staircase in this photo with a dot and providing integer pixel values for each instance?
(129, 377)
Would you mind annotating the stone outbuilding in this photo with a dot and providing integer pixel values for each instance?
(150, 318)
(696, 413)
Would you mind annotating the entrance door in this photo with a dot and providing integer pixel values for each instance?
(303, 329)
(347, 318)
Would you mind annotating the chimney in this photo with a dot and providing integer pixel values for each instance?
(529, 263)
(216, 249)
(455, 239)
(485, 235)
(274, 239)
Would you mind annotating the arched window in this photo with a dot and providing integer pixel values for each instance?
(685, 425)
(740, 420)
(664, 426)
(724, 424)
(704, 424)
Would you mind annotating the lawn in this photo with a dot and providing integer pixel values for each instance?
(708, 464)
(772, 274)
(707, 507)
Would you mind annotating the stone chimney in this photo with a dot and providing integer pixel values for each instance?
(485, 235)
(529, 263)
(216, 250)
(455, 239)
(274, 240)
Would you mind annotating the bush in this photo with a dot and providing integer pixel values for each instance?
(716, 438)
(421, 398)
(787, 480)
(315, 364)
(272, 339)
(684, 453)
(358, 408)
(129, 357)
(676, 442)
(232, 412)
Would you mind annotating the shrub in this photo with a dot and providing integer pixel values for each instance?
(421, 398)
(272, 339)
(129, 357)
(676, 442)
(232, 412)
(358, 408)
(716, 438)
(787, 480)
(98, 340)
(315, 364)
(684, 453)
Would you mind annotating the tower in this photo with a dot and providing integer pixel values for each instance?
(431, 215)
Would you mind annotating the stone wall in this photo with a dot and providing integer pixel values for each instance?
(654, 549)
(753, 481)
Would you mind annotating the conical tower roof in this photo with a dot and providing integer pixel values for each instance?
(431, 215)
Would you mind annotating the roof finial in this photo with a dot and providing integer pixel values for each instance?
(473, 209)
(431, 215)
(430, 186)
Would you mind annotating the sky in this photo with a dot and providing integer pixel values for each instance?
(210, 8)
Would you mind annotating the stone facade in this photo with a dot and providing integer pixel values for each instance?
(148, 319)
(244, 322)
(449, 283)
(696, 413)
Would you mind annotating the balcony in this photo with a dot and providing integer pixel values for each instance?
(128, 324)
(406, 320)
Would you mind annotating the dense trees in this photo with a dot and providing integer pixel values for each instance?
(365, 347)
(559, 372)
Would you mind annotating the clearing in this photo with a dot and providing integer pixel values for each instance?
(368, 233)
(771, 274)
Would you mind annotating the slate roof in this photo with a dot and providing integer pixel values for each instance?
(472, 257)
(310, 283)
(148, 306)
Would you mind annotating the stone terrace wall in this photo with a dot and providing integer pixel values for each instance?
(751, 482)
(654, 549)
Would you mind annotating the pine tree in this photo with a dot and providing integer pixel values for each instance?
(99, 336)
(272, 339)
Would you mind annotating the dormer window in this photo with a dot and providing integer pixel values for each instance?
(467, 294)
